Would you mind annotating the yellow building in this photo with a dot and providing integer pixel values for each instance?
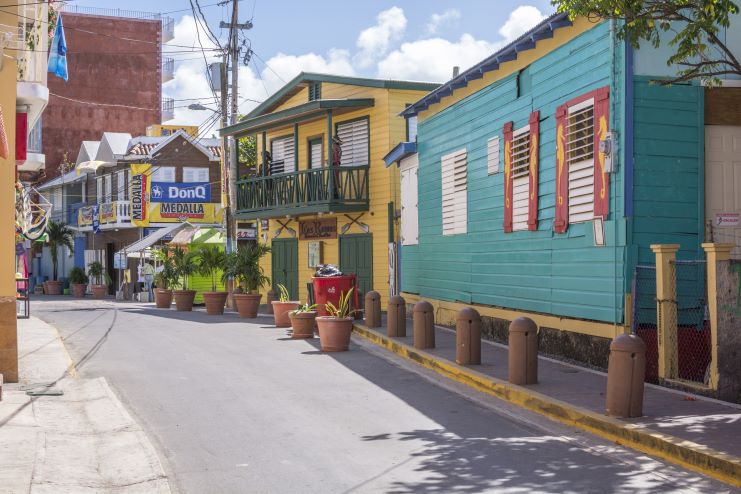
(314, 206)
(159, 130)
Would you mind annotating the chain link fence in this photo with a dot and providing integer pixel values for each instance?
(643, 321)
(693, 325)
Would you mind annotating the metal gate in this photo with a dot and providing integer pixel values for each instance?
(643, 322)
(693, 325)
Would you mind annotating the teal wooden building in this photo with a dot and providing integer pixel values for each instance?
(541, 176)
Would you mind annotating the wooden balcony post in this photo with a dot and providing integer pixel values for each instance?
(330, 147)
(264, 154)
(666, 309)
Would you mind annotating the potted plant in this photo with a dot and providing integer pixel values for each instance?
(165, 279)
(336, 328)
(58, 235)
(244, 266)
(303, 321)
(211, 260)
(185, 264)
(100, 279)
(282, 307)
(78, 281)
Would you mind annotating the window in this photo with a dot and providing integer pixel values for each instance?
(492, 155)
(107, 188)
(582, 184)
(316, 153)
(194, 174)
(99, 189)
(520, 178)
(282, 151)
(355, 142)
(412, 129)
(315, 91)
(122, 185)
(409, 201)
(455, 192)
(163, 174)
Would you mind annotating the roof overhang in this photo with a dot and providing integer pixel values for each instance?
(89, 166)
(401, 151)
(151, 239)
(301, 113)
(527, 41)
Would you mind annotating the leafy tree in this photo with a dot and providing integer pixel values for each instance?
(58, 235)
(695, 27)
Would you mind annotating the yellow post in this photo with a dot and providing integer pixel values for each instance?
(714, 253)
(666, 309)
(8, 332)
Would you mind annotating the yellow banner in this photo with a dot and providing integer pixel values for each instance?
(85, 216)
(193, 212)
(141, 177)
(107, 212)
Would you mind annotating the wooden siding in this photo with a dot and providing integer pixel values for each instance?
(386, 130)
(668, 177)
(528, 270)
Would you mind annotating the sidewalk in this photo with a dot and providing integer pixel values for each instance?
(693, 431)
(81, 441)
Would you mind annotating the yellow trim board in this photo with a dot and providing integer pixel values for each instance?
(726, 468)
(445, 314)
(542, 48)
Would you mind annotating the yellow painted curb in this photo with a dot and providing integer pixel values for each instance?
(688, 454)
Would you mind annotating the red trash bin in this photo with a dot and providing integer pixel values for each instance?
(328, 289)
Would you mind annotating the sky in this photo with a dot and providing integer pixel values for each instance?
(403, 39)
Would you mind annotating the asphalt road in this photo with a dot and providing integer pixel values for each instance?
(240, 407)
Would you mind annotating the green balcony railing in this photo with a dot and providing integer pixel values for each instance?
(317, 190)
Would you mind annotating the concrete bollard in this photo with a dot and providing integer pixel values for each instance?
(396, 324)
(523, 351)
(468, 337)
(626, 371)
(272, 297)
(423, 323)
(373, 309)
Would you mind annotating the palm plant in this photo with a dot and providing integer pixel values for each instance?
(97, 273)
(244, 266)
(167, 276)
(185, 264)
(58, 235)
(211, 259)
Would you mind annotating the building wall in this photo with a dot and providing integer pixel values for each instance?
(539, 271)
(104, 69)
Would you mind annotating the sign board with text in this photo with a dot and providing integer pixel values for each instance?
(317, 229)
(180, 192)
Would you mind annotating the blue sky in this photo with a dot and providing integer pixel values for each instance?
(403, 39)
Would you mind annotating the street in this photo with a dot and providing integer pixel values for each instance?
(236, 406)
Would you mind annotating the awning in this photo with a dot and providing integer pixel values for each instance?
(152, 239)
(183, 237)
(89, 166)
(401, 151)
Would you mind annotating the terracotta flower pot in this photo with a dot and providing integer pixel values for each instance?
(54, 287)
(303, 324)
(99, 291)
(334, 333)
(78, 289)
(184, 299)
(280, 313)
(163, 298)
(215, 302)
(247, 304)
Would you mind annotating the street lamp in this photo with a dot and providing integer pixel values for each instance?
(200, 107)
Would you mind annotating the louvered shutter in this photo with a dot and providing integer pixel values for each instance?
(532, 215)
(409, 206)
(454, 193)
(561, 219)
(508, 186)
(601, 178)
(355, 142)
(99, 189)
(316, 154)
(120, 185)
(108, 181)
(283, 152)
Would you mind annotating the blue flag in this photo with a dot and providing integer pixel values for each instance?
(58, 52)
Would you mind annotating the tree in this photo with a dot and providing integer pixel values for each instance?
(58, 235)
(694, 26)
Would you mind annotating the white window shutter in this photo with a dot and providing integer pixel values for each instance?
(282, 152)
(355, 142)
(492, 158)
(580, 139)
(99, 189)
(409, 206)
(455, 192)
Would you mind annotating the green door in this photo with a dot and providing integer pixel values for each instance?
(356, 256)
(285, 265)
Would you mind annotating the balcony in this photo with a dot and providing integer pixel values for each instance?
(168, 109)
(31, 89)
(111, 215)
(319, 190)
(168, 69)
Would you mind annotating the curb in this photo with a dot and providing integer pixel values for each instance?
(726, 468)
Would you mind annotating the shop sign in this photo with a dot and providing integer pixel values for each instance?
(180, 192)
(726, 219)
(247, 234)
(317, 229)
(181, 211)
(140, 182)
(193, 212)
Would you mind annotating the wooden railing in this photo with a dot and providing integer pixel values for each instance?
(328, 189)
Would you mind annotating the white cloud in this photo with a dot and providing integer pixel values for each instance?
(374, 42)
(437, 21)
(433, 59)
(522, 19)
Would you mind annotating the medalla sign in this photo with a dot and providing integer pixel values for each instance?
(176, 192)
(140, 183)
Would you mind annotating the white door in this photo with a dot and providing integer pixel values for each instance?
(723, 185)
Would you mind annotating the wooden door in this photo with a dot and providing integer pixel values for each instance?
(285, 265)
(723, 185)
(356, 257)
